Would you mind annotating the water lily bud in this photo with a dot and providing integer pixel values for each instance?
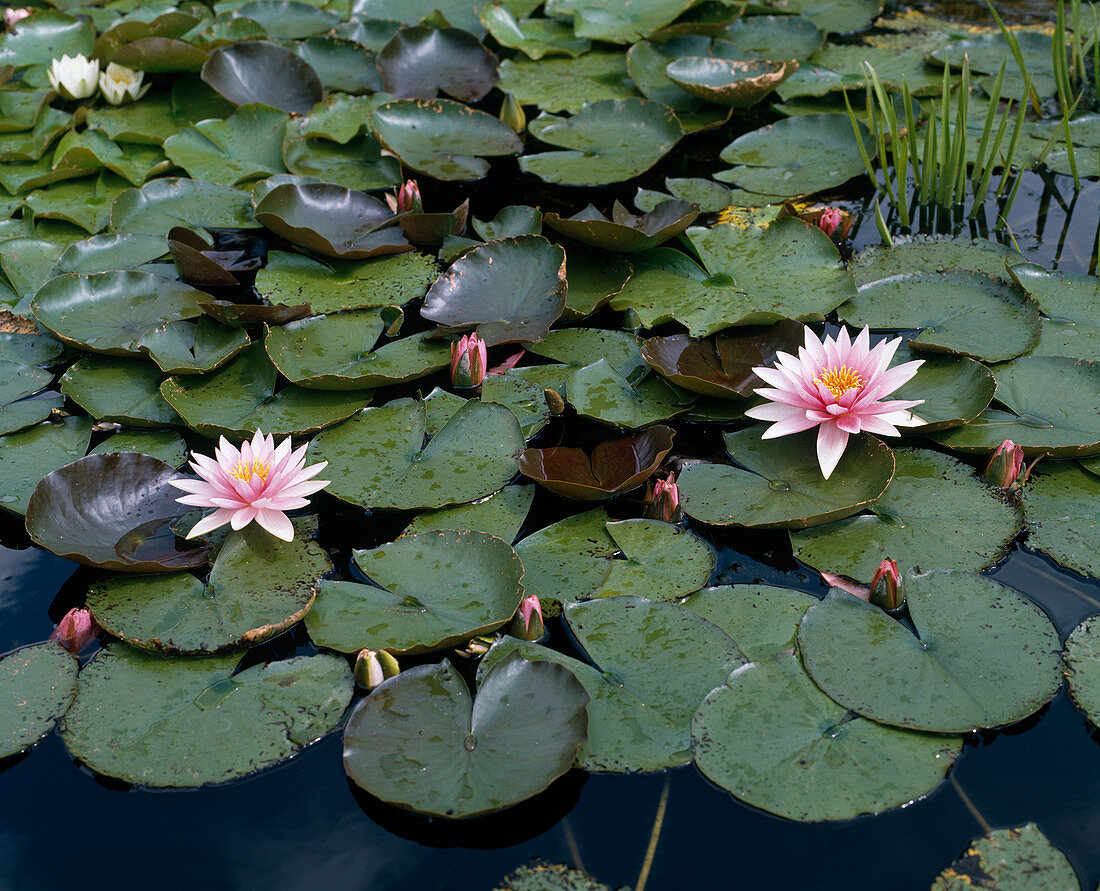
(408, 198)
(554, 402)
(76, 630)
(828, 221)
(511, 112)
(74, 77)
(469, 362)
(374, 666)
(11, 16)
(121, 86)
(664, 502)
(1003, 469)
(528, 624)
(887, 587)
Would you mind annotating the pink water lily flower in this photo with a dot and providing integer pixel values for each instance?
(259, 483)
(837, 386)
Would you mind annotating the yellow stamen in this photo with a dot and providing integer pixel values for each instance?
(245, 470)
(838, 380)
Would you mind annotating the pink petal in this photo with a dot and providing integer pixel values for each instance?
(242, 517)
(831, 441)
(211, 522)
(277, 523)
(788, 426)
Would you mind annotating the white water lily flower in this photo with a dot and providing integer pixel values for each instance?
(74, 77)
(121, 86)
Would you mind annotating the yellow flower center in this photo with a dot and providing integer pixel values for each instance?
(245, 469)
(839, 380)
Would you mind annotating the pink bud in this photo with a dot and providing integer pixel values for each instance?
(76, 630)
(830, 218)
(528, 623)
(469, 361)
(1003, 469)
(886, 585)
(11, 16)
(408, 198)
(664, 503)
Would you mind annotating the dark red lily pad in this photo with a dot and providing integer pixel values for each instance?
(200, 264)
(722, 365)
(613, 467)
(113, 511)
(420, 62)
(626, 232)
(257, 71)
(432, 228)
(332, 220)
(508, 290)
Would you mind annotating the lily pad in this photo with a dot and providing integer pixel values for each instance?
(508, 291)
(244, 396)
(44, 36)
(1082, 657)
(781, 486)
(797, 156)
(935, 514)
(29, 455)
(606, 142)
(419, 742)
(729, 82)
(501, 514)
(1060, 509)
(444, 139)
(123, 391)
(774, 36)
(192, 347)
(982, 654)
(722, 366)
(1045, 404)
(259, 586)
(37, 683)
(626, 232)
(80, 202)
(955, 390)
(288, 19)
(611, 468)
(958, 311)
(1067, 301)
(420, 62)
(191, 722)
(763, 619)
(112, 511)
(593, 278)
(332, 220)
(257, 71)
(113, 312)
(603, 393)
(807, 759)
(102, 253)
(618, 21)
(568, 84)
(1009, 860)
(163, 203)
(378, 458)
(341, 64)
(436, 590)
(930, 253)
(357, 164)
(200, 263)
(534, 37)
(166, 445)
(245, 146)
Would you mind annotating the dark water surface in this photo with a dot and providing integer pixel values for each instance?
(303, 826)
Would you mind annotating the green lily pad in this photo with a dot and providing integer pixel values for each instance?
(729, 82)
(1060, 509)
(576, 346)
(21, 358)
(341, 64)
(806, 759)
(568, 84)
(331, 220)
(90, 149)
(163, 203)
(762, 619)
(459, 13)
(611, 468)
(508, 291)
(1067, 302)
(1045, 404)
(20, 109)
(28, 456)
(257, 71)
(781, 486)
(193, 347)
(44, 36)
(524, 398)
(167, 445)
(245, 146)
(501, 514)
(30, 145)
(618, 21)
(757, 276)
(160, 115)
(28, 262)
(722, 366)
(37, 683)
(82, 203)
(626, 232)
(421, 62)
(958, 311)
(288, 19)
(1082, 657)
(103, 253)
(774, 36)
(112, 511)
(935, 514)
(985, 655)
(160, 55)
(535, 38)
(1009, 860)
(420, 743)
(513, 220)
(930, 253)
(378, 458)
(291, 279)
(606, 142)
(119, 390)
(796, 156)
(191, 722)
(837, 16)
(603, 393)
(358, 164)
(113, 312)
(18, 179)
(444, 139)
(259, 586)
(593, 278)
(955, 390)
(436, 590)
(244, 396)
